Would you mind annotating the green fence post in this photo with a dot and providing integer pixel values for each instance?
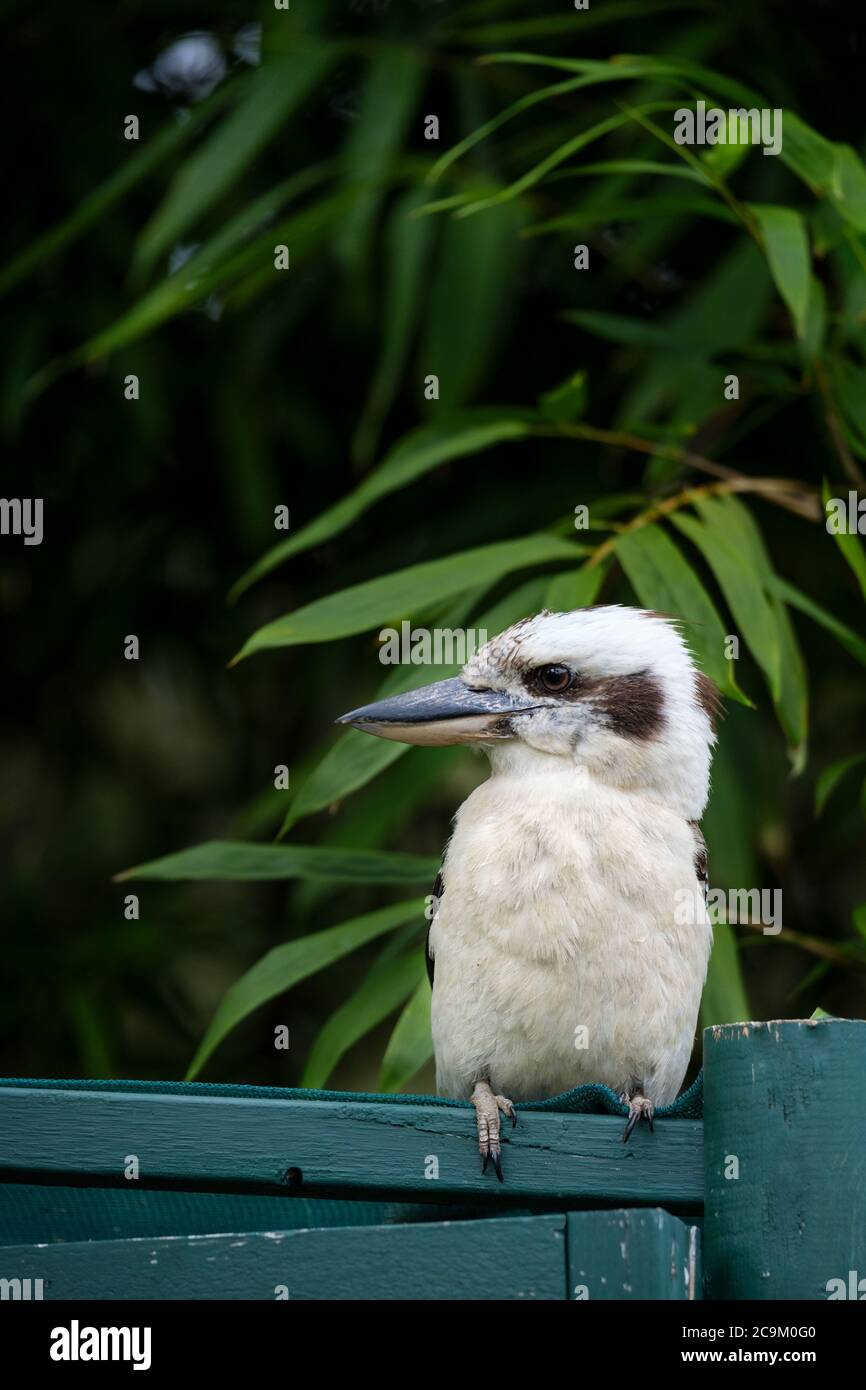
(785, 1160)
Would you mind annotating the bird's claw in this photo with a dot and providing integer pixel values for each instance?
(639, 1108)
(487, 1107)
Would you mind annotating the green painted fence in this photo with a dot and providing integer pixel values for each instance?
(141, 1193)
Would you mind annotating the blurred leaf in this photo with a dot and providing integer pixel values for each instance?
(641, 65)
(815, 327)
(408, 240)
(223, 859)
(654, 167)
(386, 987)
(132, 171)
(792, 705)
(566, 402)
(592, 72)
(574, 588)
(858, 916)
(787, 246)
(741, 586)
(416, 454)
(271, 94)
(618, 328)
(662, 579)
(724, 997)
(286, 965)
(469, 302)
(846, 636)
(637, 209)
(557, 157)
(832, 776)
(390, 92)
(850, 546)
(187, 286)
(356, 758)
(377, 601)
(849, 385)
(410, 1046)
(833, 171)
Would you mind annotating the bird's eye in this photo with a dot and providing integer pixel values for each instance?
(555, 678)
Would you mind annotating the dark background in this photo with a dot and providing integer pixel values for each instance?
(153, 508)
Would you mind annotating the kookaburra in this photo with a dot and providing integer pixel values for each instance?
(561, 951)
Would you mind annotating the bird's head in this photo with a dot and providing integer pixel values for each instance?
(609, 690)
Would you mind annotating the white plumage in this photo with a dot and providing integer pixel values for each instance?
(560, 956)
(559, 959)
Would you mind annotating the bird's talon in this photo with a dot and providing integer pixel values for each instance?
(487, 1108)
(639, 1108)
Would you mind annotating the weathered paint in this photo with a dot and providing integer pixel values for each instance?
(325, 1148)
(516, 1258)
(785, 1147)
(626, 1255)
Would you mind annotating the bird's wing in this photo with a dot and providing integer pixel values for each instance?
(700, 857)
(438, 890)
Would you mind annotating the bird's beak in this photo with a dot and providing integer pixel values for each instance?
(446, 712)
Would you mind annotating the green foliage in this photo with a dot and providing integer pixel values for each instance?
(411, 258)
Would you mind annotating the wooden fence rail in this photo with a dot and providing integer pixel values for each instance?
(147, 1194)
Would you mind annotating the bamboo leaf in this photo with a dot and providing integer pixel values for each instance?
(272, 93)
(415, 455)
(386, 987)
(741, 587)
(408, 243)
(389, 95)
(133, 170)
(846, 636)
(557, 157)
(410, 1046)
(645, 66)
(407, 591)
(832, 776)
(832, 171)
(225, 859)
(663, 579)
(574, 588)
(724, 997)
(286, 965)
(469, 301)
(787, 247)
(190, 285)
(792, 701)
(566, 402)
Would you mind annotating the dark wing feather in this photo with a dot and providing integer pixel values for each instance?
(438, 890)
(700, 857)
